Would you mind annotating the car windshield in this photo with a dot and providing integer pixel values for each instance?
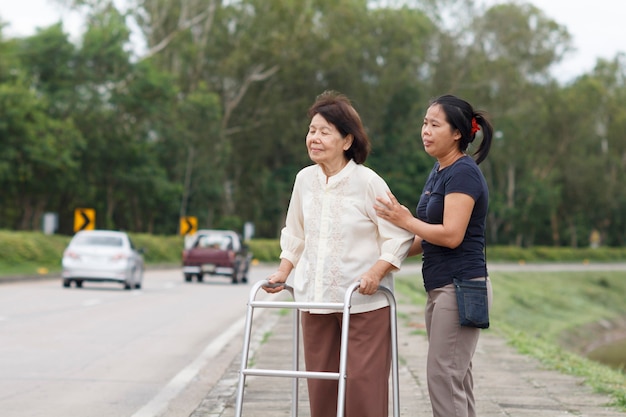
(86, 240)
(214, 241)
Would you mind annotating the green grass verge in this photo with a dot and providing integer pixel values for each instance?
(40, 250)
(538, 311)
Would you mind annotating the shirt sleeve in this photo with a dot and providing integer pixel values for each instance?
(395, 241)
(466, 180)
(292, 235)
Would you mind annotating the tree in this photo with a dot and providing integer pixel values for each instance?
(39, 153)
(516, 45)
(210, 121)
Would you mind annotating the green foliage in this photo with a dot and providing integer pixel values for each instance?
(35, 147)
(265, 250)
(566, 300)
(24, 252)
(159, 249)
(31, 247)
(549, 254)
(210, 120)
(46, 250)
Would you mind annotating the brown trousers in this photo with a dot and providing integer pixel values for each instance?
(368, 365)
(450, 351)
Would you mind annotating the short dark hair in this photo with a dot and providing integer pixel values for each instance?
(459, 114)
(337, 109)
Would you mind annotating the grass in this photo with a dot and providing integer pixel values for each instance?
(540, 312)
(9, 270)
(601, 378)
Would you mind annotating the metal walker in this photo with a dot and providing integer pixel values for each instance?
(295, 373)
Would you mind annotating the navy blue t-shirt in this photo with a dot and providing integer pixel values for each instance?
(467, 261)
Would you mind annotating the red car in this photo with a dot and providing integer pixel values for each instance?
(216, 253)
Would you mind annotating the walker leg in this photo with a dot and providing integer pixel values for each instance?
(244, 361)
(395, 378)
(296, 363)
(343, 359)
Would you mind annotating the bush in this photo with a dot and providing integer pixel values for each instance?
(159, 249)
(555, 254)
(26, 247)
(39, 250)
(265, 250)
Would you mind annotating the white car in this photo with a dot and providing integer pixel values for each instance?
(102, 256)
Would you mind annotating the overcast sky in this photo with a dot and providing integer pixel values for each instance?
(597, 26)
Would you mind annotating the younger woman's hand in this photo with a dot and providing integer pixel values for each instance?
(392, 211)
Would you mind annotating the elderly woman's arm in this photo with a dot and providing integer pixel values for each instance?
(370, 280)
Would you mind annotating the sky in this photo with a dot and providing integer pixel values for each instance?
(597, 27)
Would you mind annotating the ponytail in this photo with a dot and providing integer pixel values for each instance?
(487, 133)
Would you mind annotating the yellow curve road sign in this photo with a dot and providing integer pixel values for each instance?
(84, 219)
(188, 225)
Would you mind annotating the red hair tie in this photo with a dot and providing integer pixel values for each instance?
(475, 127)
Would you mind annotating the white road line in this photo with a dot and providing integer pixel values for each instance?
(180, 381)
(91, 302)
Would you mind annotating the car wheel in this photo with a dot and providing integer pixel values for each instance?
(236, 272)
(139, 279)
(79, 283)
(188, 277)
(66, 283)
(127, 285)
(199, 277)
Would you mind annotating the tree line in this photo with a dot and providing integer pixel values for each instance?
(209, 118)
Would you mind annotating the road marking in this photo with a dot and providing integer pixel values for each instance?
(180, 381)
(91, 302)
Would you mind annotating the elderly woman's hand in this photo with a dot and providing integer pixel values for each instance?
(369, 282)
(278, 277)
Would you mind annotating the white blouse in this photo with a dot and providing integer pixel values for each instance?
(332, 236)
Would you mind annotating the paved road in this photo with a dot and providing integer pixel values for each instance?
(507, 383)
(101, 351)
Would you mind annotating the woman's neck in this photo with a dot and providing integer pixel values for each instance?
(449, 159)
(333, 169)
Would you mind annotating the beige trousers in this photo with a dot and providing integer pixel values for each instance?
(368, 365)
(450, 351)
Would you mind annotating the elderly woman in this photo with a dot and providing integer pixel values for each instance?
(333, 237)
